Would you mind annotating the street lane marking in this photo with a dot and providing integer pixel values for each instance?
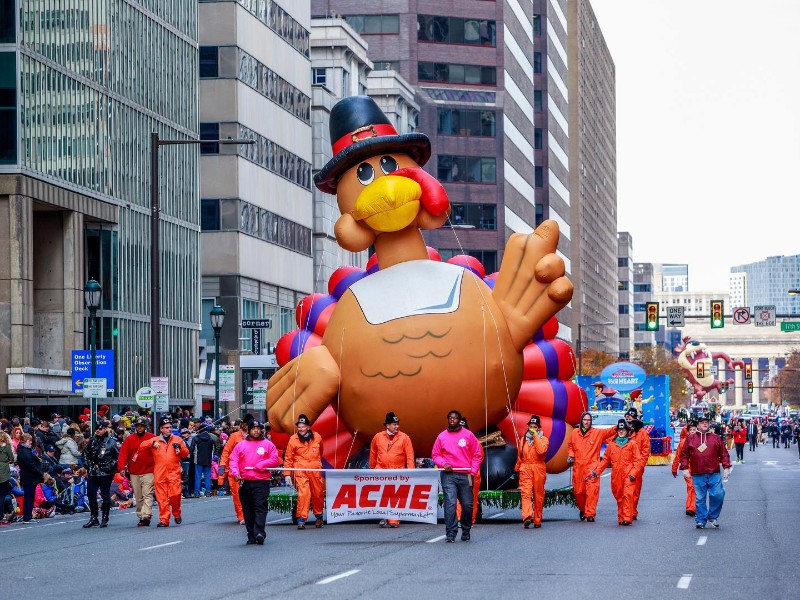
(702, 540)
(497, 516)
(683, 582)
(436, 539)
(280, 520)
(161, 545)
(339, 576)
(27, 527)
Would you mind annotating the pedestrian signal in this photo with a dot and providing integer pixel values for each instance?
(750, 387)
(717, 318)
(748, 370)
(701, 370)
(652, 316)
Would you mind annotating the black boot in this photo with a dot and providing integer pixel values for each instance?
(93, 522)
(106, 509)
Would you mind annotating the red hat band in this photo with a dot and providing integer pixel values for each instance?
(356, 136)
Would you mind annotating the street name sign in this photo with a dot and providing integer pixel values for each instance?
(256, 323)
(675, 316)
(764, 316)
(227, 383)
(94, 388)
(790, 325)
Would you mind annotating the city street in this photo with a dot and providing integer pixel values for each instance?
(662, 555)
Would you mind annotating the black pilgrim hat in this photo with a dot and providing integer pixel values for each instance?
(359, 129)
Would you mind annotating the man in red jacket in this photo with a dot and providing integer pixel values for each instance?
(140, 466)
(702, 453)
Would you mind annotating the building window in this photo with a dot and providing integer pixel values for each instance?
(640, 287)
(474, 123)
(473, 216)
(537, 62)
(8, 108)
(209, 215)
(622, 286)
(209, 131)
(8, 22)
(538, 177)
(455, 73)
(624, 309)
(622, 261)
(537, 24)
(374, 24)
(625, 332)
(456, 30)
(488, 258)
(209, 61)
(319, 76)
(472, 169)
(537, 101)
(537, 138)
(386, 65)
(277, 19)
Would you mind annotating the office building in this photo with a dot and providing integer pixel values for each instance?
(83, 84)
(257, 262)
(592, 170)
(625, 286)
(769, 282)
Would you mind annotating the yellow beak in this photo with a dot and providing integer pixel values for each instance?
(389, 203)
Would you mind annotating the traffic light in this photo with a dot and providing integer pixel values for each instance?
(717, 317)
(750, 387)
(748, 370)
(701, 370)
(652, 316)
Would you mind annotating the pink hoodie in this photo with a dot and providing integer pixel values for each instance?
(460, 449)
(253, 459)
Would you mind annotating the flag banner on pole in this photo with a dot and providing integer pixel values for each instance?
(361, 494)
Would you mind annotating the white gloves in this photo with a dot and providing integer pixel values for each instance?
(725, 474)
(682, 473)
(289, 480)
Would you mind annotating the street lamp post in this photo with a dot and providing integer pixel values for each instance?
(155, 252)
(579, 345)
(92, 293)
(217, 319)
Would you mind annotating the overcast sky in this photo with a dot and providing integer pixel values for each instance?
(708, 132)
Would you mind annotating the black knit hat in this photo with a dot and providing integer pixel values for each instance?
(165, 421)
(632, 412)
(359, 130)
(391, 418)
(534, 420)
(303, 420)
(623, 424)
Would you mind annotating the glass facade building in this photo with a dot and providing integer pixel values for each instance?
(83, 84)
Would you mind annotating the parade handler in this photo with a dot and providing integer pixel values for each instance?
(531, 454)
(250, 464)
(167, 449)
(622, 455)
(304, 451)
(391, 449)
(703, 452)
(585, 443)
(140, 467)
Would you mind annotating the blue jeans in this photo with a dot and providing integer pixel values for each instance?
(206, 473)
(456, 485)
(710, 485)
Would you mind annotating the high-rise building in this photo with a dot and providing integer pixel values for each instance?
(82, 87)
(473, 65)
(737, 288)
(671, 277)
(592, 172)
(770, 281)
(255, 84)
(625, 286)
(643, 286)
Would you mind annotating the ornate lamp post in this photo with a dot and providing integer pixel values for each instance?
(217, 319)
(92, 294)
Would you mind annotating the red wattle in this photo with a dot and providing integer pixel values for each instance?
(434, 198)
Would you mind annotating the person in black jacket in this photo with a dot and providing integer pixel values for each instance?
(47, 438)
(30, 474)
(100, 459)
(202, 450)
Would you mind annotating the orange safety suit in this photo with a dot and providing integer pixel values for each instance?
(167, 474)
(532, 475)
(310, 484)
(642, 439)
(584, 449)
(224, 461)
(394, 452)
(690, 494)
(625, 461)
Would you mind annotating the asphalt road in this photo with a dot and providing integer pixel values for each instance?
(752, 555)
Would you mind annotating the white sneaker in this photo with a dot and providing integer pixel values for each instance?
(714, 523)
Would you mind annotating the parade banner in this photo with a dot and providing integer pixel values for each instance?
(404, 494)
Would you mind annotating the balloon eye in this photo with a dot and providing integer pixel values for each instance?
(388, 164)
(365, 173)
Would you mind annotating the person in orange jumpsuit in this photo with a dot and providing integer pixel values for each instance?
(224, 464)
(691, 497)
(531, 455)
(622, 454)
(167, 452)
(304, 451)
(585, 443)
(476, 484)
(391, 449)
(642, 438)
